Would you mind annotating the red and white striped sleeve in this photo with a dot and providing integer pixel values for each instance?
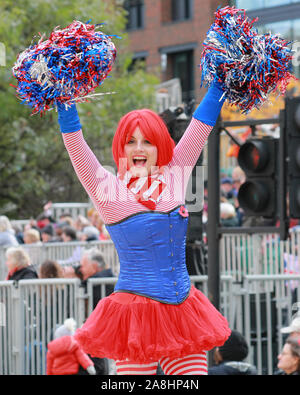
(98, 182)
(188, 149)
(86, 165)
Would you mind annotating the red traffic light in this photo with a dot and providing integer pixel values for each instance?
(253, 156)
(257, 196)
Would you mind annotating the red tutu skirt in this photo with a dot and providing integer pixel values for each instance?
(127, 326)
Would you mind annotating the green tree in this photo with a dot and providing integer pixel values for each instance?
(34, 166)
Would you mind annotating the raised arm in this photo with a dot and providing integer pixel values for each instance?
(96, 180)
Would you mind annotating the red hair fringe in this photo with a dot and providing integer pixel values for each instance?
(152, 127)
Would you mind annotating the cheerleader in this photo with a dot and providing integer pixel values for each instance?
(154, 315)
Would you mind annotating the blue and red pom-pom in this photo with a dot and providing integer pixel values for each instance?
(65, 68)
(249, 66)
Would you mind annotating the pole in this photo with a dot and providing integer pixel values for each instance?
(213, 216)
(282, 190)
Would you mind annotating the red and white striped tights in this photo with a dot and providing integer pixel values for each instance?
(195, 364)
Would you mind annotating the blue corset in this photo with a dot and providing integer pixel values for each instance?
(151, 250)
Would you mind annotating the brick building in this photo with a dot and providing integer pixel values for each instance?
(168, 36)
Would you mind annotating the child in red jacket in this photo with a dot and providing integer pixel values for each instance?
(65, 355)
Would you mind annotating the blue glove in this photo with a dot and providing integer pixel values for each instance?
(210, 107)
(68, 119)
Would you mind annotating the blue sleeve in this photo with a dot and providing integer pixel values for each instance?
(68, 119)
(211, 105)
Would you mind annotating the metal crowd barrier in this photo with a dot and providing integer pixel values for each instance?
(269, 304)
(31, 310)
(250, 254)
(74, 209)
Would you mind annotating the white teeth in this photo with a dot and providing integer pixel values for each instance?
(139, 158)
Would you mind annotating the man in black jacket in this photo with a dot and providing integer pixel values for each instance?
(230, 357)
(92, 265)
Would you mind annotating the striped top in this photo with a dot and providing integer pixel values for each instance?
(109, 194)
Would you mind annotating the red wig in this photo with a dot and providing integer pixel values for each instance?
(152, 127)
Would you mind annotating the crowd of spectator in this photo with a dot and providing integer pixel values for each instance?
(91, 265)
(231, 213)
(45, 229)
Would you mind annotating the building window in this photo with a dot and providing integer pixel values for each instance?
(138, 61)
(135, 18)
(182, 68)
(181, 10)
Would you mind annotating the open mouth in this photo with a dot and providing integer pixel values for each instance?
(139, 161)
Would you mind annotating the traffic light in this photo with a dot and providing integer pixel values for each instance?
(292, 142)
(257, 196)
